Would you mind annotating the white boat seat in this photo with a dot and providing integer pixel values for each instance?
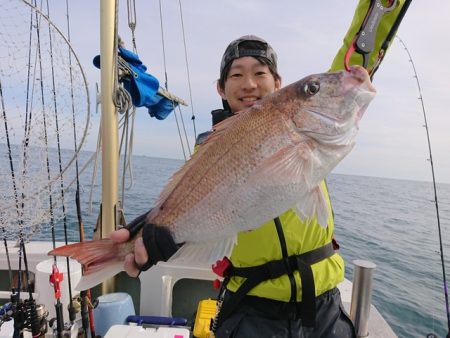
(191, 262)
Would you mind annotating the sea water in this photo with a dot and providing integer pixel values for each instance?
(390, 222)
(393, 223)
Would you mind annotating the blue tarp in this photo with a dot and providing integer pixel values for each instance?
(143, 87)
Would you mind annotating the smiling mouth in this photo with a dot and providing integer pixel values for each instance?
(249, 99)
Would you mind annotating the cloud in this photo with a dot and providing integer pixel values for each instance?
(306, 36)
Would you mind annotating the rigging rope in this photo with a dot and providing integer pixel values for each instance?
(131, 6)
(122, 100)
(167, 88)
(187, 70)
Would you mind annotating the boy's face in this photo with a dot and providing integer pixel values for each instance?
(248, 81)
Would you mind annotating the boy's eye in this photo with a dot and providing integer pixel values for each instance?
(235, 75)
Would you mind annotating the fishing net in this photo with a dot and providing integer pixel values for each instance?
(44, 113)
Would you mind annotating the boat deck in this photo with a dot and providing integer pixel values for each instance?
(157, 300)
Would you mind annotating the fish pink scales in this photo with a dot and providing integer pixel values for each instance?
(265, 160)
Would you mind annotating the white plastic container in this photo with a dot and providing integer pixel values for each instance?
(45, 291)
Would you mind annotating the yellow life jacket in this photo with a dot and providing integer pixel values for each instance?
(262, 245)
(266, 261)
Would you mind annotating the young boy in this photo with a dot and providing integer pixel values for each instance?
(301, 299)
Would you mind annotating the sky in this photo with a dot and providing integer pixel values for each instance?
(392, 141)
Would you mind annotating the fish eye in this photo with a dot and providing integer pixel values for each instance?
(312, 88)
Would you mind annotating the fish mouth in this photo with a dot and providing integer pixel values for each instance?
(361, 74)
(322, 115)
(360, 100)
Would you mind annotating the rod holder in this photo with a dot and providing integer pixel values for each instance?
(361, 296)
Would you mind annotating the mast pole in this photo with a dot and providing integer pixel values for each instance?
(109, 125)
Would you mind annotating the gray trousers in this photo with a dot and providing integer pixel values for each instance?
(258, 317)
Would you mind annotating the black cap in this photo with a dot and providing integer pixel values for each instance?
(234, 51)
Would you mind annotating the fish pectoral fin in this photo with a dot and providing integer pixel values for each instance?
(292, 164)
(314, 205)
(203, 254)
(94, 278)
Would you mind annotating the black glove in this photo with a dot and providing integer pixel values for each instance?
(158, 240)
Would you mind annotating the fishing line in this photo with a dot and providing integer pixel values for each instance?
(434, 184)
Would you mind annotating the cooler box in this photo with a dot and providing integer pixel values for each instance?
(128, 331)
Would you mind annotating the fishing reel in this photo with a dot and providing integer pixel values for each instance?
(35, 318)
(28, 317)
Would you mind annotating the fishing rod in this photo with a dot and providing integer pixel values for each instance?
(24, 314)
(72, 310)
(87, 316)
(16, 306)
(56, 276)
(434, 184)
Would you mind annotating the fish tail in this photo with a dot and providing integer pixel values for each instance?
(92, 255)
